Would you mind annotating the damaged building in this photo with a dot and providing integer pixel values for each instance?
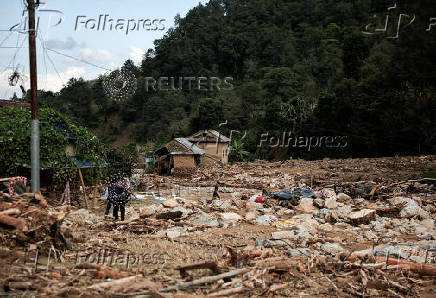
(214, 144)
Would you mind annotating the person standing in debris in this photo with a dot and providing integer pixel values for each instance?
(216, 194)
(118, 196)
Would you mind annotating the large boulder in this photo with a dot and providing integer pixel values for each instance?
(411, 208)
(364, 216)
(306, 206)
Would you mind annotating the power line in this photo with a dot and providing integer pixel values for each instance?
(43, 55)
(15, 55)
(78, 59)
(51, 61)
(3, 41)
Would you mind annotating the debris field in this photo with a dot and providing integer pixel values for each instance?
(347, 228)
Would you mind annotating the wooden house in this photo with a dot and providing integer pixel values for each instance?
(213, 143)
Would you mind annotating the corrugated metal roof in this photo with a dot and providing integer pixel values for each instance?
(198, 136)
(189, 145)
(183, 153)
(218, 135)
(12, 103)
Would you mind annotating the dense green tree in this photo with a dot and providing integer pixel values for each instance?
(303, 66)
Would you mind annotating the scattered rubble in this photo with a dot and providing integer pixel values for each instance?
(294, 228)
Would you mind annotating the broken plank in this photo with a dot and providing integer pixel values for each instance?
(204, 280)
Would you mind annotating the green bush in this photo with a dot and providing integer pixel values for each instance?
(55, 131)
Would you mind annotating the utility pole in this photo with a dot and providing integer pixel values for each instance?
(34, 138)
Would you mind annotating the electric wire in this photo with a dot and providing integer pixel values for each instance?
(49, 58)
(78, 59)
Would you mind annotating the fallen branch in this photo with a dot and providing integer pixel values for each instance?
(12, 211)
(204, 280)
(110, 284)
(422, 269)
(17, 223)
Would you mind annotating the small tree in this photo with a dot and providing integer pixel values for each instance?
(237, 152)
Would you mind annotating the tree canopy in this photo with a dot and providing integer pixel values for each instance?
(298, 66)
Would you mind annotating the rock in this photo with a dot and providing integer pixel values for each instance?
(283, 235)
(325, 227)
(319, 203)
(253, 206)
(411, 208)
(293, 234)
(370, 235)
(147, 211)
(205, 219)
(323, 212)
(341, 197)
(424, 227)
(344, 211)
(310, 226)
(326, 193)
(181, 209)
(328, 215)
(230, 216)
(221, 204)
(331, 203)
(306, 206)
(250, 215)
(364, 188)
(298, 252)
(333, 248)
(170, 203)
(173, 234)
(363, 216)
(428, 223)
(266, 220)
(378, 226)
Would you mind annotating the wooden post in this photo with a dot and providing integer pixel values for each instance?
(94, 199)
(35, 137)
(84, 189)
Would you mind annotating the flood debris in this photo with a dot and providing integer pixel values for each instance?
(289, 228)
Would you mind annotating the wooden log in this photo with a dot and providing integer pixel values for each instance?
(12, 211)
(204, 280)
(421, 269)
(17, 223)
(20, 285)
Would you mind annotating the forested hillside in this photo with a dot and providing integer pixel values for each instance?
(298, 66)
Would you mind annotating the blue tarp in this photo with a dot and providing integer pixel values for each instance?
(296, 193)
